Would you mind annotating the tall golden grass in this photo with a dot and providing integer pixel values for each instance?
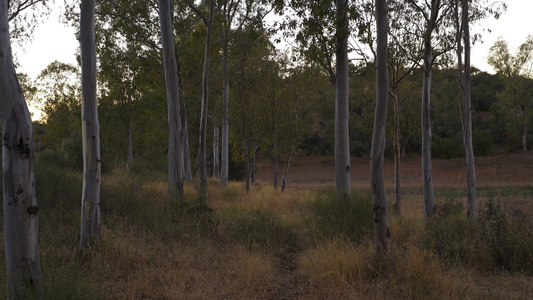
(259, 245)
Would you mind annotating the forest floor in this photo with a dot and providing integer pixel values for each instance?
(266, 244)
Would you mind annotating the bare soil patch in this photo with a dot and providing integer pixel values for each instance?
(507, 170)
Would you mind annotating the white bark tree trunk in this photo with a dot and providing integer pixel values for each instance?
(175, 158)
(466, 82)
(397, 155)
(381, 217)
(202, 149)
(342, 113)
(224, 160)
(429, 200)
(21, 218)
(90, 202)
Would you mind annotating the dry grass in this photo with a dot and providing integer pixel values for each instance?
(259, 245)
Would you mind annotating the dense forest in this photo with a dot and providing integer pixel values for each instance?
(169, 93)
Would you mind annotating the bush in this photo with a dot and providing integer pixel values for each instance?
(257, 227)
(352, 224)
(445, 148)
(449, 234)
(482, 142)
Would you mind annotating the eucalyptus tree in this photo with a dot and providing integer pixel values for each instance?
(515, 69)
(438, 41)
(90, 202)
(465, 79)
(231, 13)
(21, 213)
(175, 178)
(202, 139)
(25, 15)
(322, 30)
(404, 56)
(381, 216)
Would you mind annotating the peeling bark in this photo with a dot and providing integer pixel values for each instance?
(381, 216)
(21, 212)
(90, 202)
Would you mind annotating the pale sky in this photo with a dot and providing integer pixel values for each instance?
(55, 41)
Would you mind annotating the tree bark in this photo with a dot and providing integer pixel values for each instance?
(224, 167)
(129, 158)
(397, 155)
(342, 143)
(466, 83)
(21, 218)
(381, 217)
(202, 149)
(175, 158)
(187, 172)
(90, 202)
(216, 161)
(429, 201)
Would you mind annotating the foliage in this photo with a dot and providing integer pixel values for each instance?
(497, 239)
(352, 224)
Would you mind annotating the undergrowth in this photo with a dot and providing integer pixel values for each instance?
(268, 245)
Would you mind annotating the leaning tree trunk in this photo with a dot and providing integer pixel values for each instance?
(175, 158)
(21, 218)
(342, 144)
(90, 202)
(381, 217)
(467, 113)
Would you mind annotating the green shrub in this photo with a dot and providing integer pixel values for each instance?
(445, 148)
(256, 227)
(449, 234)
(482, 142)
(352, 224)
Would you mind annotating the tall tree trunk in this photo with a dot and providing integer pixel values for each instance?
(342, 143)
(429, 201)
(216, 161)
(397, 155)
(129, 146)
(175, 158)
(381, 216)
(224, 167)
(466, 83)
(21, 218)
(202, 149)
(90, 202)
